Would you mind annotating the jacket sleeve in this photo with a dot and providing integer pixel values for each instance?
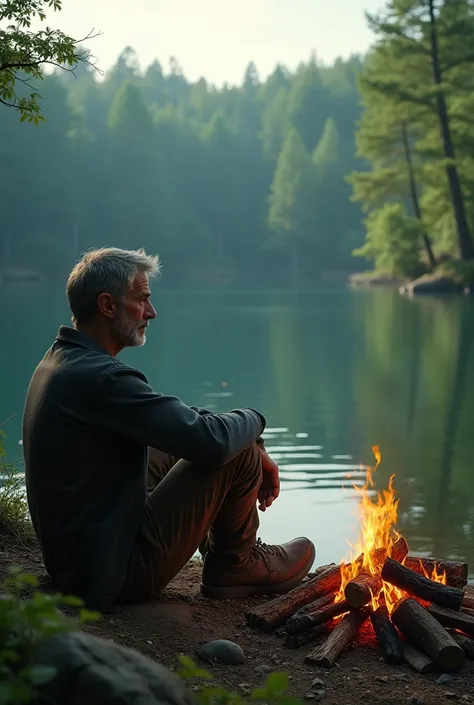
(128, 406)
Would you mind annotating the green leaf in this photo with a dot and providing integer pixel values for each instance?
(71, 601)
(277, 683)
(187, 662)
(86, 615)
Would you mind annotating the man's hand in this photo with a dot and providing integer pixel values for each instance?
(270, 487)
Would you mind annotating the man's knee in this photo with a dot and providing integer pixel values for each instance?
(248, 462)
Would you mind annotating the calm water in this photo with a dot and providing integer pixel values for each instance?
(334, 372)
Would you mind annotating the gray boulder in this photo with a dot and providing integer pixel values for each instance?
(94, 671)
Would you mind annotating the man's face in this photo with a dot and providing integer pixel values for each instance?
(134, 313)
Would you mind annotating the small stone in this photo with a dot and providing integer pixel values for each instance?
(319, 694)
(466, 698)
(444, 679)
(382, 679)
(245, 688)
(317, 683)
(416, 700)
(451, 695)
(356, 669)
(309, 696)
(264, 668)
(222, 651)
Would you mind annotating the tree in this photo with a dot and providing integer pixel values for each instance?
(393, 241)
(387, 137)
(435, 38)
(24, 53)
(309, 105)
(291, 212)
(133, 197)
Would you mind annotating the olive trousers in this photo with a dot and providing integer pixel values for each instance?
(190, 506)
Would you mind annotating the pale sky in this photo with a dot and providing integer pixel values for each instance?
(217, 38)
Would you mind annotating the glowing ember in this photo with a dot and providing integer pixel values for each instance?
(377, 531)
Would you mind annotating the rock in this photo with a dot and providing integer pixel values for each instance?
(319, 694)
(433, 284)
(317, 683)
(222, 651)
(382, 679)
(416, 700)
(245, 688)
(94, 671)
(264, 668)
(444, 679)
(451, 695)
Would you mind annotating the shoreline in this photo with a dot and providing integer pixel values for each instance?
(180, 620)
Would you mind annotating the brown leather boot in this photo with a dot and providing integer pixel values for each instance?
(268, 570)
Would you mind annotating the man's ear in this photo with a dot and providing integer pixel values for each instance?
(107, 305)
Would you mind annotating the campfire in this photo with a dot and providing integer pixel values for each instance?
(416, 607)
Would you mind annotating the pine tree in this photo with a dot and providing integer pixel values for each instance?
(426, 41)
(387, 137)
(291, 214)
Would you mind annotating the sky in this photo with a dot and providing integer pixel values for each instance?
(217, 38)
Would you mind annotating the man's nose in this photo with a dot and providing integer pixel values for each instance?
(150, 310)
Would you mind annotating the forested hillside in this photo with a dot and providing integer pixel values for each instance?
(242, 183)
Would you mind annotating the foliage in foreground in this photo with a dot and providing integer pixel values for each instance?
(27, 622)
(273, 692)
(15, 522)
(24, 625)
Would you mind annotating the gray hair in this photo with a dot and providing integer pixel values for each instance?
(109, 270)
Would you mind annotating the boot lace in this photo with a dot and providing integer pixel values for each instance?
(263, 552)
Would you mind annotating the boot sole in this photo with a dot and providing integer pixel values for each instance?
(238, 591)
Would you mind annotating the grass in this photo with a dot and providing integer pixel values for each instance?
(16, 529)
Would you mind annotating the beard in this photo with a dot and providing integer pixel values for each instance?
(128, 332)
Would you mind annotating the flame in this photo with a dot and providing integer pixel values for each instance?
(377, 535)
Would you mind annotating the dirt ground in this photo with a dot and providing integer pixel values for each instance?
(180, 621)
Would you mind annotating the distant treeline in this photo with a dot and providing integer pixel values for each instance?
(244, 182)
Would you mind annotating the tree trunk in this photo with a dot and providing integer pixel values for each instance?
(466, 248)
(414, 196)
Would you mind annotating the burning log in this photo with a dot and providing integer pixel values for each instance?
(387, 636)
(276, 612)
(456, 572)
(358, 592)
(467, 610)
(426, 633)
(342, 634)
(294, 641)
(419, 586)
(453, 619)
(465, 642)
(419, 661)
(316, 613)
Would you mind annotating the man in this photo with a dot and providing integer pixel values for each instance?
(96, 437)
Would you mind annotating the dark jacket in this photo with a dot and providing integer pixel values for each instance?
(88, 421)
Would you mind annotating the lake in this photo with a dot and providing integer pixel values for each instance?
(334, 371)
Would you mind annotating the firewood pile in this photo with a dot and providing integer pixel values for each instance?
(430, 626)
